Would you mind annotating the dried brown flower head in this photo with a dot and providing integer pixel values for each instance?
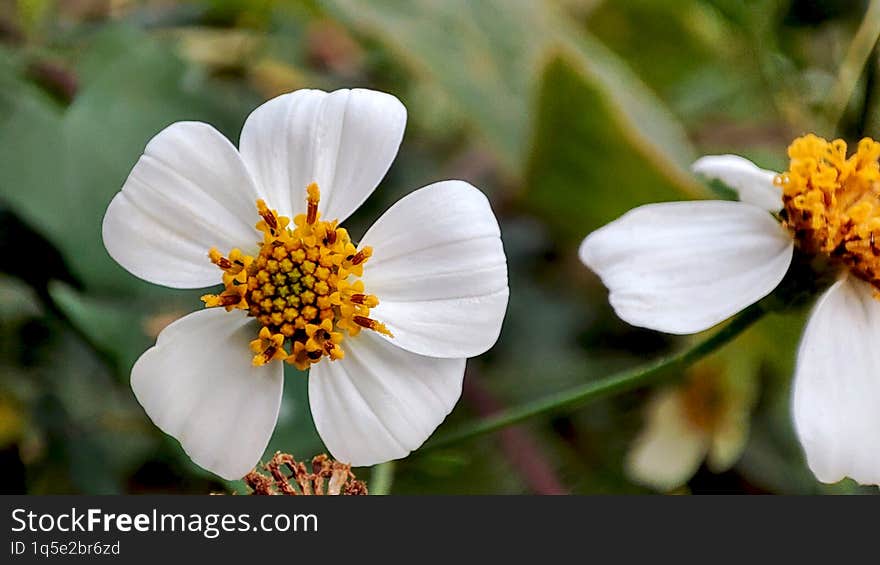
(288, 477)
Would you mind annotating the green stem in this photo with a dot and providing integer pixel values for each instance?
(854, 62)
(621, 382)
(381, 478)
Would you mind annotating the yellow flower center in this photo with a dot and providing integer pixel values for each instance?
(832, 202)
(302, 287)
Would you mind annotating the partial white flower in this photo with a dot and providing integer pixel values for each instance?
(385, 327)
(836, 400)
(683, 267)
(706, 417)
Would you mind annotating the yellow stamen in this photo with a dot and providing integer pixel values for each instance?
(268, 347)
(371, 324)
(361, 256)
(232, 297)
(314, 196)
(832, 202)
(301, 287)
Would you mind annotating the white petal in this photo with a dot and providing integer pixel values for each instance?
(754, 185)
(380, 402)
(188, 192)
(198, 384)
(730, 435)
(837, 385)
(439, 271)
(344, 141)
(729, 440)
(669, 450)
(682, 267)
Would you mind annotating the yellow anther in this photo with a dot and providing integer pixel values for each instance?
(272, 225)
(233, 267)
(313, 199)
(218, 259)
(232, 297)
(371, 324)
(268, 347)
(299, 356)
(367, 300)
(832, 202)
(362, 255)
(333, 351)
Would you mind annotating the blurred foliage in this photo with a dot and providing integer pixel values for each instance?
(566, 113)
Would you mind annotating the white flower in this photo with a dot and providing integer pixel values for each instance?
(683, 267)
(705, 417)
(433, 265)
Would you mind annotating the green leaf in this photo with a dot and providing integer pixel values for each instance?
(115, 329)
(34, 13)
(295, 431)
(697, 62)
(588, 165)
(486, 56)
(20, 244)
(59, 170)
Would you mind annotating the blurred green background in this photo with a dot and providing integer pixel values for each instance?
(565, 113)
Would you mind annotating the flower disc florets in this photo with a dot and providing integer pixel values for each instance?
(301, 287)
(832, 202)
